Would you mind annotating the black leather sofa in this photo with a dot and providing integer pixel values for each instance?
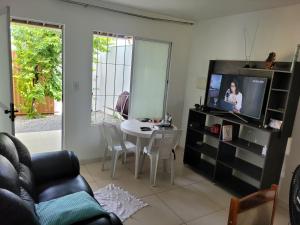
(26, 180)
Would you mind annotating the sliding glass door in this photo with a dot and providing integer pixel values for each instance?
(150, 74)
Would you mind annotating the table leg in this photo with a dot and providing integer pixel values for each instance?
(137, 157)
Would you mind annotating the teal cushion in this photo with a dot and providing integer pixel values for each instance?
(68, 209)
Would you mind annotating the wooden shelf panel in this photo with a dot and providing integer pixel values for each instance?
(243, 167)
(205, 149)
(204, 131)
(246, 145)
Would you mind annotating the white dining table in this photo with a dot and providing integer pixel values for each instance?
(133, 127)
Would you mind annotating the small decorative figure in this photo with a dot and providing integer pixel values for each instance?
(270, 61)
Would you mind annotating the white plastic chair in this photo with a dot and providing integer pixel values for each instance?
(116, 144)
(161, 146)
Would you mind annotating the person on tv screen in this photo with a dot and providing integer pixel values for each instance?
(234, 96)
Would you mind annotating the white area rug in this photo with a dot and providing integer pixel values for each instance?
(114, 199)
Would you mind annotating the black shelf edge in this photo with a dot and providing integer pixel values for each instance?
(267, 70)
(236, 186)
(276, 110)
(237, 121)
(244, 167)
(204, 131)
(280, 90)
(283, 71)
(205, 149)
(246, 145)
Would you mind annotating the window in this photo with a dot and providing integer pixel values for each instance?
(150, 76)
(112, 56)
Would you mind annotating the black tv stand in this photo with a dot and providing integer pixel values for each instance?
(253, 159)
(229, 112)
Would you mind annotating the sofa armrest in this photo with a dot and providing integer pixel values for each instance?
(14, 210)
(51, 166)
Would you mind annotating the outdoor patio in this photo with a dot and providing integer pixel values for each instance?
(40, 135)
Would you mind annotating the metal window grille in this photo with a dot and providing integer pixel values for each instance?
(111, 74)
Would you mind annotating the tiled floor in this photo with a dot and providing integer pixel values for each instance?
(193, 200)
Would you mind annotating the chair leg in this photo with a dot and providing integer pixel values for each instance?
(165, 162)
(153, 170)
(172, 170)
(104, 158)
(124, 157)
(114, 161)
(142, 162)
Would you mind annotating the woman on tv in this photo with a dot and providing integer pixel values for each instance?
(234, 96)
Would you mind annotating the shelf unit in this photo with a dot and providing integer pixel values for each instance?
(242, 166)
(220, 163)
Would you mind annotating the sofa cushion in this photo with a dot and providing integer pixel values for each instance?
(9, 179)
(69, 209)
(23, 152)
(61, 187)
(26, 180)
(9, 151)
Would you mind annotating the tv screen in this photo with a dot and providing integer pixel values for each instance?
(239, 94)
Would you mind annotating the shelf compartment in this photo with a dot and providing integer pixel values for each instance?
(277, 100)
(281, 81)
(205, 149)
(193, 159)
(243, 167)
(204, 131)
(237, 186)
(246, 145)
(205, 168)
(225, 179)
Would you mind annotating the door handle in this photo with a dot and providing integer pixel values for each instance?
(8, 111)
(11, 111)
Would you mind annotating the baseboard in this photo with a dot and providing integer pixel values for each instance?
(87, 161)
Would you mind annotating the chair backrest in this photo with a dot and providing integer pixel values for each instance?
(255, 209)
(164, 141)
(112, 135)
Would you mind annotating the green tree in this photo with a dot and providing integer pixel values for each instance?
(38, 61)
(101, 44)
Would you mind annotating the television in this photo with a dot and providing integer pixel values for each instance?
(239, 94)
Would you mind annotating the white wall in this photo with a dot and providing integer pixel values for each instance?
(79, 23)
(223, 38)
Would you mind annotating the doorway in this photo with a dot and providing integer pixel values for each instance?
(37, 68)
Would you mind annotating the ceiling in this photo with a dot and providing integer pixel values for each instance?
(196, 10)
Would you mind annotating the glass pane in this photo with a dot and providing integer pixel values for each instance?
(97, 109)
(110, 79)
(110, 76)
(127, 77)
(111, 55)
(128, 55)
(120, 55)
(119, 79)
(149, 79)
